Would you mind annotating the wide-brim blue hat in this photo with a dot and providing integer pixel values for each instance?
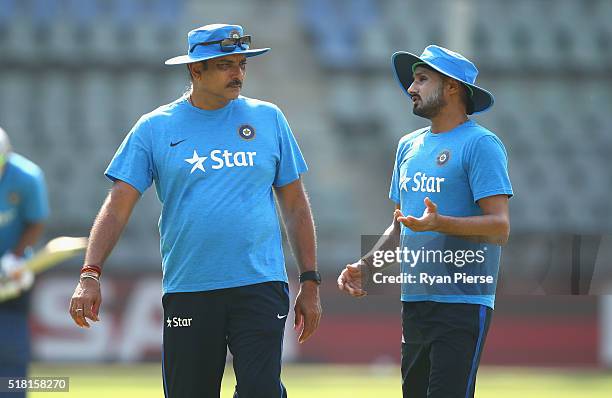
(448, 63)
(197, 52)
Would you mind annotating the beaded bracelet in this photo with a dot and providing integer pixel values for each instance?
(90, 275)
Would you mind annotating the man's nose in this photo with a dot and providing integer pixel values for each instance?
(238, 72)
(411, 89)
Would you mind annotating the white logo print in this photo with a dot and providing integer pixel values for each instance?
(279, 316)
(404, 183)
(197, 162)
(222, 159)
(421, 182)
(178, 322)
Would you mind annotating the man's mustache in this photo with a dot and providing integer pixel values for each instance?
(235, 83)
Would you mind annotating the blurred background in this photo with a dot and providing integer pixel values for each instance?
(75, 75)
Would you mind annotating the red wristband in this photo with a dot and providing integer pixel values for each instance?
(92, 268)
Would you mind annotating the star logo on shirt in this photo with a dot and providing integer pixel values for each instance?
(404, 183)
(169, 322)
(197, 162)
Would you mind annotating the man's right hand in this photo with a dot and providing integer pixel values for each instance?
(111, 220)
(350, 280)
(85, 302)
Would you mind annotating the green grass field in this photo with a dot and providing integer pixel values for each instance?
(321, 381)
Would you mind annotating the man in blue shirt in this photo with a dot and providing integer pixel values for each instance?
(23, 209)
(451, 187)
(217, 159)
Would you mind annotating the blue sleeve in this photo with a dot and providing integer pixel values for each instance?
(133, 161)
(488, 168)
(291, 162)
(36, 200)
(394, 193)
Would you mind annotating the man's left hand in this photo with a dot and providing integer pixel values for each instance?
(11, 265)
(429, 221)
(307, 310)
(15, 277)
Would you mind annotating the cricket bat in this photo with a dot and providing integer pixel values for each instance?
(55, 252)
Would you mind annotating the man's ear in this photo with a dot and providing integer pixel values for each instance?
(195, 70)
(190, 68)
(453, 86)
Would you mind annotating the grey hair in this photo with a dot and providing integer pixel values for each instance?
(189, 88)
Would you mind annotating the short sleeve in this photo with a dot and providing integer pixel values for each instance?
(36, 200)
(291, 163)
(133, 161)
(488, 168)
(394, 193)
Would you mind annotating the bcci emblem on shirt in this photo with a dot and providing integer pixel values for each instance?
(246, 132)
(443, 158)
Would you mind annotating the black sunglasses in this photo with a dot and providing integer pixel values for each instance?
(227, 45)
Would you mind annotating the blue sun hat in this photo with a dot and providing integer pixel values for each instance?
(448, 63)
(215, 41)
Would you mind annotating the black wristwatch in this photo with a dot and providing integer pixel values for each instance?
(310, 276)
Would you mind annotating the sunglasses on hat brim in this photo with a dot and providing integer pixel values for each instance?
(227, 45)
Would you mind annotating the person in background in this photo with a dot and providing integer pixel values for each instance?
(24, 207)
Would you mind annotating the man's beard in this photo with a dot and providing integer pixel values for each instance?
(430, 108)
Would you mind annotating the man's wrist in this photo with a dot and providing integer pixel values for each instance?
(365, 268)
(91, 271)
(310, 276)
(309, 285)
(85, 277)
(18, 253)
(440, 223)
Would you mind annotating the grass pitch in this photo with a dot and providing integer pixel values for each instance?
(331, 381)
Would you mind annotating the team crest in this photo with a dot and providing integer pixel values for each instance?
(443, 158)
(246, 132)
(14, 198)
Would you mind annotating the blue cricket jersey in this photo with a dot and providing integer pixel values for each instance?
(454, 169)
(23, 199)
(214, 172)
